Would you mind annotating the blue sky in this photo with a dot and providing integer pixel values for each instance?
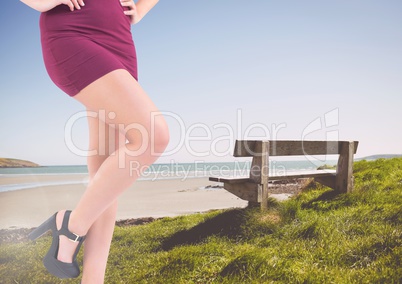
(225, 70)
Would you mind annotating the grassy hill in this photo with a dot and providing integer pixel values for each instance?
(15, 163)
(379, 156)
(317, 237)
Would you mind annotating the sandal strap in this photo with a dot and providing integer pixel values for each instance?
(66, 232)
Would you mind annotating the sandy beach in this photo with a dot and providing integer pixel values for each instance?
(160, 198)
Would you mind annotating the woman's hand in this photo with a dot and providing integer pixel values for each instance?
(46, 5)
(132, 10)
(73, 4)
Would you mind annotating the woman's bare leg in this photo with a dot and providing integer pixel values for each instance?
(127, 107)
(105, 140)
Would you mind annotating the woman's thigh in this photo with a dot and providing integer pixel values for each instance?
(104, 140)
(119, 101)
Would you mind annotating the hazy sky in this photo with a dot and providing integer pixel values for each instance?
(223, 70)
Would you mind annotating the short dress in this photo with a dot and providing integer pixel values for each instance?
(83, 45)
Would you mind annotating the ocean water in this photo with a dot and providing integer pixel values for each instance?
(156, 172)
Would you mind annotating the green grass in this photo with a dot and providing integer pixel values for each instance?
(318, 237)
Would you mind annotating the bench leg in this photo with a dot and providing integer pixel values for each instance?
(263, 195)
(344, 171)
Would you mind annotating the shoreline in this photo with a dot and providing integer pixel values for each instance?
(27, 208)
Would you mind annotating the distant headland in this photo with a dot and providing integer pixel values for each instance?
(15, 163)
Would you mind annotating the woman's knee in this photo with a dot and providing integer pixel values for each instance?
(160, 137)
(151, 139)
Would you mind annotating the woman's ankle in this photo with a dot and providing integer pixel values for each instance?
(75, 225)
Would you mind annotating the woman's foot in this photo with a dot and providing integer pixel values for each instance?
(67, 247)
(61, 258)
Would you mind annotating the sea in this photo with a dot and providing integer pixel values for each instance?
(160, 171)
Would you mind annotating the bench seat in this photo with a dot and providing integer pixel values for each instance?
(292, 175)
(254, 187)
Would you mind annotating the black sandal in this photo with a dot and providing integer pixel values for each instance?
(53, 265)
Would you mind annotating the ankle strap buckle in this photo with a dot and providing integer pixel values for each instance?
(77, 238)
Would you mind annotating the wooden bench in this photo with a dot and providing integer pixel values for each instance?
(254, 188)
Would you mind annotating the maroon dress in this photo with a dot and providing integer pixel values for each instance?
(81, 46)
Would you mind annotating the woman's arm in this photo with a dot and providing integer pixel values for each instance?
(138, 10)
(46, 5)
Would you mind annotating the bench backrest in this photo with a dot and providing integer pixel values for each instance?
(252, 148)
(261, 150)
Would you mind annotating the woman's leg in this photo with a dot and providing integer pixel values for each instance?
(127, 107)
(104, 139)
